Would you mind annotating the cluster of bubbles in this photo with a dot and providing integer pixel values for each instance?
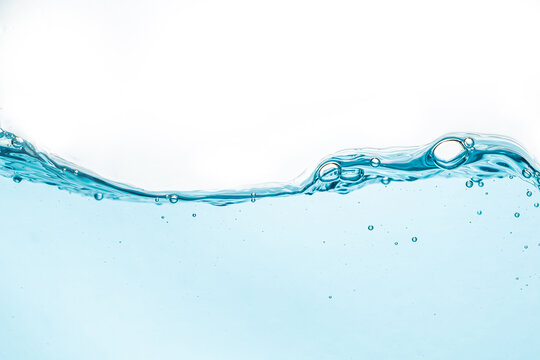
(332, 171)
(447, 154)
(413, 239)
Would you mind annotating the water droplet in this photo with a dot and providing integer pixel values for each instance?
(526, 247)
(469, 184)
(536, 205)
(194, 215)
(529, 193)
(17, 179)
(516, 214)
(414, 239)
(396, 243)
(253, 197)
(98, 196)
(375, 162)
(329, 172)
(385, 180)
(370, 227)
(173, 199)
(449, 154)
(468, 142)
(352, 174)
(479, 212)
(526, 173)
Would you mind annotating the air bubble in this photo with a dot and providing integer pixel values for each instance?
(329, 172)
(526, 173)
(370, 227)
(173, 199)
(375, 162)
(468, 142)
(449, 154)
(469, 184)
(479, 212)
(526, 247)
(480, 183)
(529, 193)
(17, 142)
(536, 205)
(352, 174)
(516, 214)
(98, 196)
(385, 180)
(17, 179)
(414, 239)
(396, 243)
(253, 197)
(194, 215)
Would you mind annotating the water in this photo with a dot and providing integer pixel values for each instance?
(406, 270)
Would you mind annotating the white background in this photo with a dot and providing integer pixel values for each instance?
(213, 94)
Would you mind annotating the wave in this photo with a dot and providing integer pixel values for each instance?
(473, 156)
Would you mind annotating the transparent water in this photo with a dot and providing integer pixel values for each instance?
(446, 267)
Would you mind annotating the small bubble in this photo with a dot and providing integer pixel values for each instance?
(517, 277)
(480, 183)
(17, 179)
(526, 173)
(330, 297)
(194, 215)
(253, 197)
(479, 212)
(469, 184)
(385, 180)
(375, 162)
(510, 177)
(526, 247)
(173, 199)
(396, 243)
(370, 227)
(98, 196)
(163, 217)
(516, 214)
(529, 193)
(414, 239)
(329, 172)
(76, 172)
(536, 205)
(468, 142)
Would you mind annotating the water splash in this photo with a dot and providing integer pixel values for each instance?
(473, 156)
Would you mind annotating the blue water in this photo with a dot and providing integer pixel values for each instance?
(446, 267)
